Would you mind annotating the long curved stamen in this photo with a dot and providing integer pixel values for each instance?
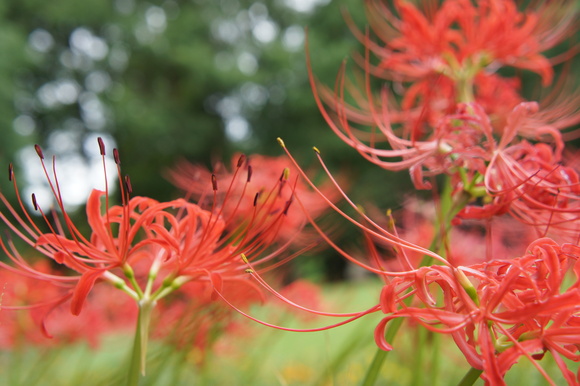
(369, 311)
(380, 233)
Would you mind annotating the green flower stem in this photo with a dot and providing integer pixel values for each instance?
(470, 378)
(464, 87)
(119, 283)
(419, 365)
(375, 367)
(139, 354)
(134, 365)
(169, 285)
(153, 272)
(436, 357)
(450, 205)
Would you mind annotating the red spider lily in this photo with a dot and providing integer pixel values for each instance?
(259, 172)
(368, 226)
(460, 38)
(498, 311)
(450, 53)
(416, 147)
(424, 104)
(146, 248)
(456, 135)
(374, 120)
(520, 178)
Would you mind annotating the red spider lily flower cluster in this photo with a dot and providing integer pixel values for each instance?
(144, 247)
(491, 156)
(260, 171)
(452, 51)
(463, 33)
(496, 311)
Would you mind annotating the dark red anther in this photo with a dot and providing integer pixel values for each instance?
(282, 184)
(249, 173)
(39, 151)
(241, 160)
(128, 185)
(34, 203)
(116, 156)
(101, 145)
(214, 182)
(287, 206)
(282, 176)
(256, 198)
(10, 172)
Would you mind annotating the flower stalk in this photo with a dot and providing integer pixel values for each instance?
(137, 364)
(470, 377)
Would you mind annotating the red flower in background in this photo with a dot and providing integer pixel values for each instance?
(456, 46)
(495, 238)
(45, 312)
(463, 140)
(192, 319)
(245, 177)
(449, 52)
(215, 323)
(458, 35)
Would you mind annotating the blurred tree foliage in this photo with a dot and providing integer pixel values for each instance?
(197, 79)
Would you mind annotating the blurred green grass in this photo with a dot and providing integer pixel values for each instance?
(258, 355)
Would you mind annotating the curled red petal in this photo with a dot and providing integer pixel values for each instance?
(81, 291)
(57, 303)
(388, 299)
(380, 335)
